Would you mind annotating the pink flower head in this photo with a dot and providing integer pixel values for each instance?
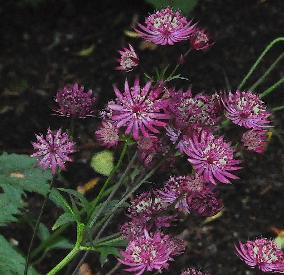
(255, 140)
(147, 253)
(176, 190)
(166, 27)
(128, 59)
(193, 271)
(263, 254)
(107, 134)
(131, 230)
(53, 150)
(200, 40)
(139, 110)
(246, 109)
(189, 110)
(204, 203)
(212, 157)
(149, 208)
(73, 101)
(148, 148)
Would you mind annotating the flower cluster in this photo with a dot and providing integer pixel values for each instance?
(75, 102)
(263, 254)
(53, 150)
(193, 271)
(128, 59)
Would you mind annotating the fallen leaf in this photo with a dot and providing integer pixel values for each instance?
(146, 45)
(88, 185)
(17, 175)
(87, 51)
(131, 34)
(85, 270)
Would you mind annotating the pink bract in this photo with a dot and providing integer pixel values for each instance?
(200, 40)
(107, 134)
(166, 27)
(147, 253)
(53, 150)
(75, 102)
(255, 140)
(128, 59)
(246, 109)
(212, 157)
(263, 254)
(139, 109)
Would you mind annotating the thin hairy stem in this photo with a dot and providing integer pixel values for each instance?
(268, 71)
(37, 225)
(72, 253)
(107, 182)
(278, 108)
(257, 62)
(272, 88)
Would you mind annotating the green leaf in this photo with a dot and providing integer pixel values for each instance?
(63, 219)
(106, 251)
(117, 242)
(11, 261)
(103, 162)
(87, 51)
(186, 6)
(60, 243)
(79, 196)
(43, 232)
(279, 240)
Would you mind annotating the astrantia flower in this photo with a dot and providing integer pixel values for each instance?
(147, 253)
(263, 254)
(166, 27)
(255, 140)
(131, 230)
(193, 111)
(128, 59)
(73, 101)
(212, 157)
(200, 40)
(205, 203)
(149, 209)
(193, 271)
(107, 134)
(53, 150)
(246, 109)
(176, 190)
(139, 110)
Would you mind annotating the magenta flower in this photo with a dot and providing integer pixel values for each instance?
(147, 253)
(131, 230)
(176, 190)
(246, 109)
(149, 209)
(263, 254)
(200, 40)
(194, 111)
(204, 203)
(193, 271)
(255, 140)
(139, 110)
(128, 59)
(53, 150)
(166, 27)
(74, 102)
(212, 157)
(107, 134)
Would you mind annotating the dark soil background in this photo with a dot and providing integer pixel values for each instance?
(39, 53)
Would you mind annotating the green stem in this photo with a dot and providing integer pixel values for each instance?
(272, 88)
(278, 108)
(263, 77)
(107, 182)
(254, 66)
(72, 253)
(36, 227)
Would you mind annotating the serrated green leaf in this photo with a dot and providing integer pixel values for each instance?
(102, 162)
(186, 6)
(79, 196)
(106, 251)
(11, 261)
(63, 219)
